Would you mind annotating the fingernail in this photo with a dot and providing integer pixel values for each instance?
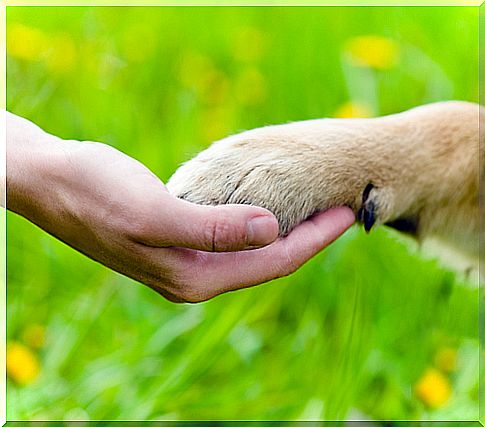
(261, 230)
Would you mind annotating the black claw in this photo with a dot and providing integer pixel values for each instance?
(368, 188)
(369, 215)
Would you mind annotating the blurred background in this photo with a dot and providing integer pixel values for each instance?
(370, 328)
(237, 423)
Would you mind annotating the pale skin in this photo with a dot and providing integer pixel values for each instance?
(113, 209)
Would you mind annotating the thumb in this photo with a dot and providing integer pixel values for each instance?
(215, 228)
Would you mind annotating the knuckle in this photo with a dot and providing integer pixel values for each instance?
(290, 264)
(223, 235)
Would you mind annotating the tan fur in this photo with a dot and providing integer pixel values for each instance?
(423, 164)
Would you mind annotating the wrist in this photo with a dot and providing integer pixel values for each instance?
(34, 159)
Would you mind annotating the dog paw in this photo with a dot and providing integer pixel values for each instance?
(415, 171)
(293, 177)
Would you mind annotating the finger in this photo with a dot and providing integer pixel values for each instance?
(219, 273)
(211, 228)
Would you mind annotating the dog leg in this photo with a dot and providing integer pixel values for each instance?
(416, 171)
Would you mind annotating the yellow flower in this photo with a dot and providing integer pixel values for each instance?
(250, 87)
(353, 110)
(34, 335)
(22, 365)
(433, 388)
(373, 51)
(58, 52)
(25, 42)
(445, 359)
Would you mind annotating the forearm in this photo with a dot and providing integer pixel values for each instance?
(32, 158)
(46, 184)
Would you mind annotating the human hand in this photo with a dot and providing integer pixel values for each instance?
(114, 210)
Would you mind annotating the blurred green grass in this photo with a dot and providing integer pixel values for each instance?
(252, 423)
(351, 333)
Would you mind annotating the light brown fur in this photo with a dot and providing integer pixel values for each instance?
(422, 165)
